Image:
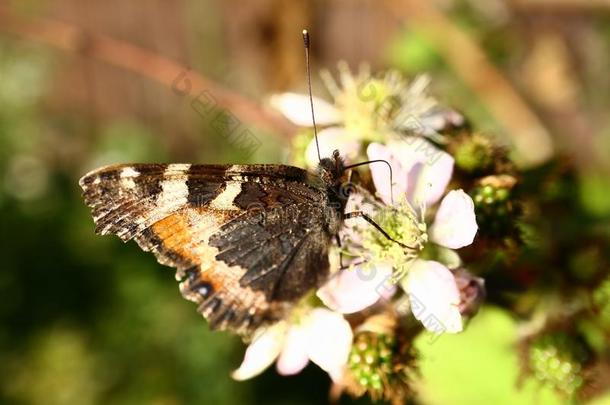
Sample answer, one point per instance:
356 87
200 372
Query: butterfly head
331 169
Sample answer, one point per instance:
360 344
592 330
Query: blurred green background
87 320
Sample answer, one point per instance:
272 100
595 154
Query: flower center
367 107
402 224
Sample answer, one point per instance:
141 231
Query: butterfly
247 241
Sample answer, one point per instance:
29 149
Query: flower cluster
366 109
420 278
444 206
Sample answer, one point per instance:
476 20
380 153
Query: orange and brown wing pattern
182 240
247 241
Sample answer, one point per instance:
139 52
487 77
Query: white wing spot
129 172
224 200
177 168
174 191
127 177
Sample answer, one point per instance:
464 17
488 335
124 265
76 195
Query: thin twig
141 61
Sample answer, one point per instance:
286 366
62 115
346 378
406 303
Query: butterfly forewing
246 240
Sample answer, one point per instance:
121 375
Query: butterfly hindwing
246 241
279 248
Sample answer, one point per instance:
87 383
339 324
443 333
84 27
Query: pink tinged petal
429 169
434 176
472 292
263 351
434 296
329 341
297 108
329 140
381 174
455 223
293 358
356 289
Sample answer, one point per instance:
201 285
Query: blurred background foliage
88 320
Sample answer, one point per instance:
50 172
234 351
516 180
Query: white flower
434 296
329 140
421 173
321 336
352 290
366 108
455 224
297 108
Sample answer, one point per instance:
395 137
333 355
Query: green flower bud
370 360
474 153
558 359
494 207
378 363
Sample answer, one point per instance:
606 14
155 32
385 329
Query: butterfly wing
247 241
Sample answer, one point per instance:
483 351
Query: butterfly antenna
313 117
377 161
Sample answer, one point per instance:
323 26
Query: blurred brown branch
141 61
529 137
561 5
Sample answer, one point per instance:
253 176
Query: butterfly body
247 241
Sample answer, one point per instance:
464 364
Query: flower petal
294 356
263 350
434 296
381 175
429 169
420 169
331 139
472 292
455 224
439 119
297 108
329 341
432 181
356 289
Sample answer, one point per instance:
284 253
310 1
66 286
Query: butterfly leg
341 265
360 214
338 239
353 264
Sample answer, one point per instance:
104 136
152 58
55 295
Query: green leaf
480 365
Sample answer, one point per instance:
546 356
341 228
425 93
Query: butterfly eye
336 153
